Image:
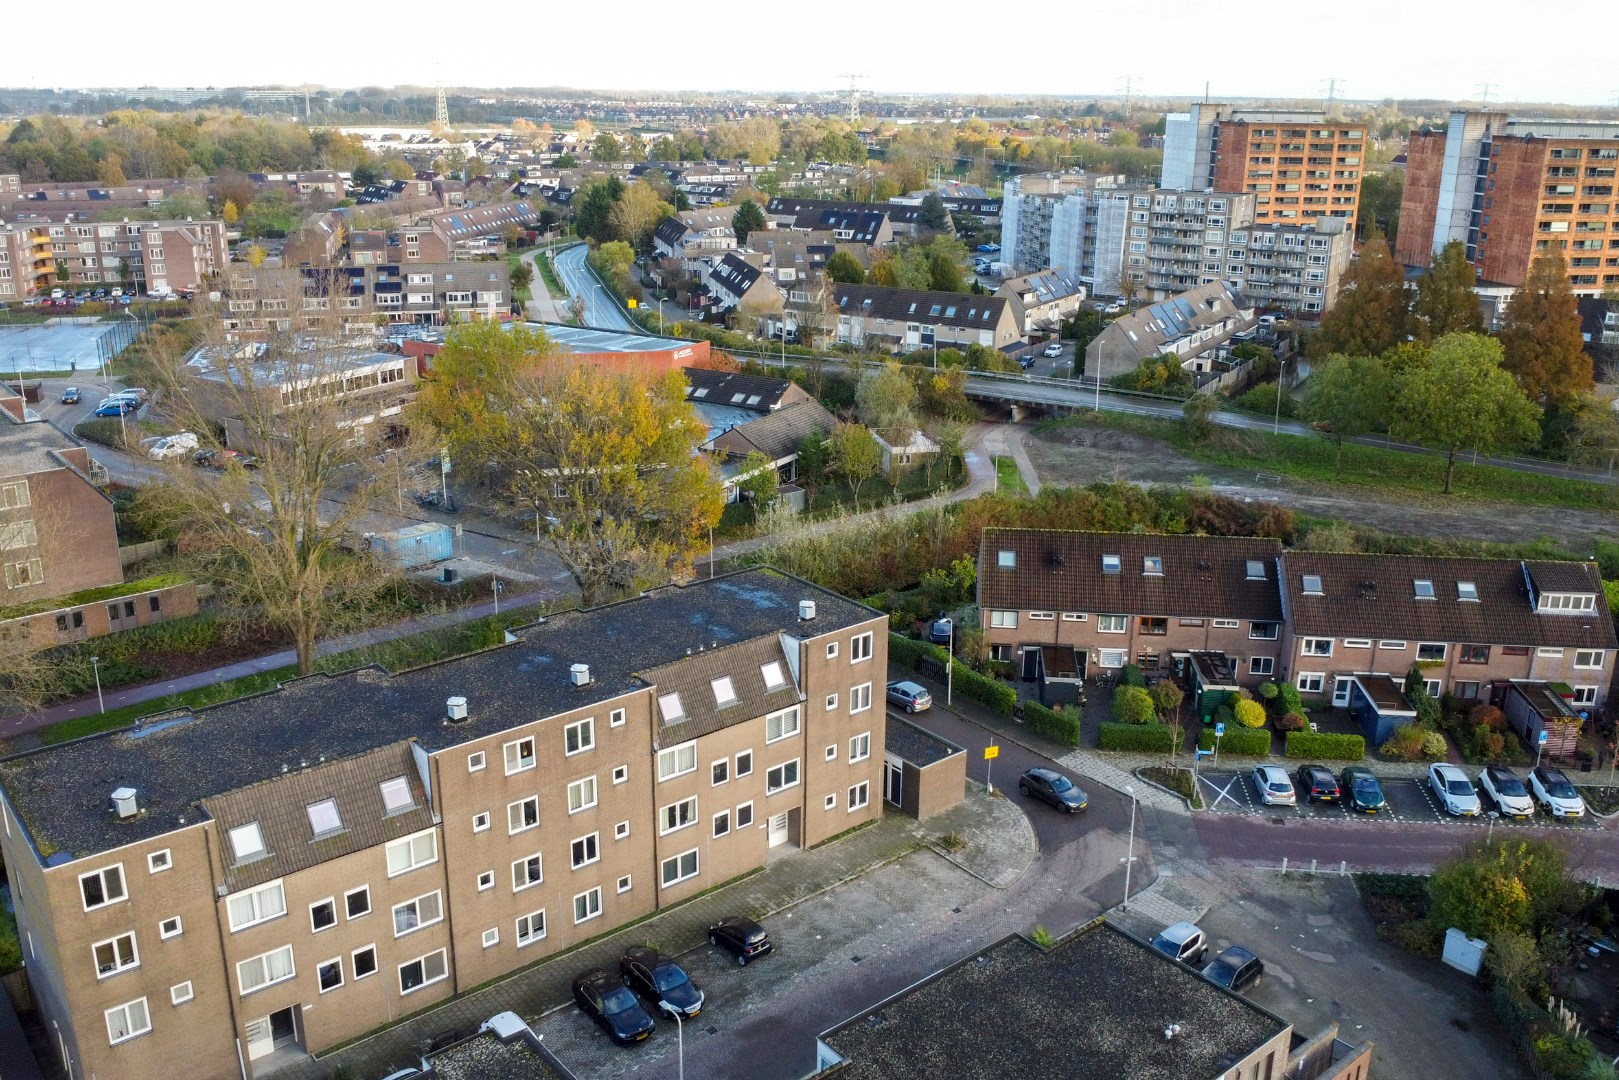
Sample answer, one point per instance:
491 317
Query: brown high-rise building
1512 189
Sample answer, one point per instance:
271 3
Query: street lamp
95 662
1130 855
950 667
1489 832
680 1040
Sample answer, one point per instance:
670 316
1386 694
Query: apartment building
260 302
1067 221
149 256
1512 189
1300 165
905 320
362 846
1192 326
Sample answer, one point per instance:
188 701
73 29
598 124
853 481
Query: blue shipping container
417 545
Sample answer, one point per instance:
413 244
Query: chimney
123 801
456 709
806 610
579 674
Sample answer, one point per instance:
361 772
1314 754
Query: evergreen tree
1446 303
747 219
1543 347
1373 313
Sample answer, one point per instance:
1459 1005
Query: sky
1445 49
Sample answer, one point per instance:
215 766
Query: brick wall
1419 202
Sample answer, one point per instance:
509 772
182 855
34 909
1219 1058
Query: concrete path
1006 440
543 307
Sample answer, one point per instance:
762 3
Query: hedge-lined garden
1239 741
1325 746
983 689
1140 738
1061 726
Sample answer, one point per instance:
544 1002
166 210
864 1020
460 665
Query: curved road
601 310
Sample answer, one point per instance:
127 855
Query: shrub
1062 726
1488 743
1288 695
1143 738
1488 716
1250 714
1133 705
1433 746
983 689
1564 1057
1268 691
1243 742
1224 715
907 652
1292 722
1325 746
1132 675
1405 744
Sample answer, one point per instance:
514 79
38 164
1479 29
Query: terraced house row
1061 605
208 894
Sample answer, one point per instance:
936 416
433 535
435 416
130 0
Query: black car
741 937
70 396
661 981
604 998
1053 788
942 632
1361 791
1316 784
1235 969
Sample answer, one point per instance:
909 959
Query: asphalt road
601 310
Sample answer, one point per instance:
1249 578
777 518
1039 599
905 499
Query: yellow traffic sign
991 752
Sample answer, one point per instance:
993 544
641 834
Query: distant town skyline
1439 50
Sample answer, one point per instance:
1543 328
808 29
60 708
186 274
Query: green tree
814 459
566 161
1198 415
1133 705
1541 341
944 273
1372 314
522 275
230 214
760 482
593 203
1462 398
885 400
1250 714
1167 698
854 455
636 214
933 214
845 269
1446 303
606 148
882 273
748 219
1594 438
1476 898
1380 195
1348 396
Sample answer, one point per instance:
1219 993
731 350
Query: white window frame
1000 619
720 824
860 747
486 880
621 773
672 762
180 993
338 960
1311 682
348 914
1591 659
860 648
831 650
1444 651
830 802
397 785
616 718
1112 658
491 937
513 752
292 972
682 875
859 698
1392 645
1357 643
426 982
1113 624
580 785
831 702
738 824
780 720
164 932
313 929
1041 616
415 903
354 962
251 829
253 895
1585 695
832 752
719 772
624 884
480 821
117 968
1076 616
132 1031
621 831
772 787
587 895
1312 646
408 845
159 861
477 762
673 812
581 731
859 796
593 849
1261 665
1435 687
1227 624
1255 635
525 940
737 770
1549 652
538 858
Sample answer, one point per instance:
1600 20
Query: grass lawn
548 275
523 295
1310 458
81 726
1007 476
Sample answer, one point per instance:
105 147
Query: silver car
1453 790
1274 788
912 697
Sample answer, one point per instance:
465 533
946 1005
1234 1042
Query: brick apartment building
145 255
363 846
1300 165
259 302
1512 189
905 320
58 539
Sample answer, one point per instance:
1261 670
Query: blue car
116 408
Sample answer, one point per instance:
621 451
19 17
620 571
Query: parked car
942 632
1274 788
1553 791
912 697
170 446
1054 349
70 396
223 459
115 408
1507 792
1361 791
661 981
1453 790
1183 941
1236 969
741 937
1026 361
604 998
1054 789
1317 783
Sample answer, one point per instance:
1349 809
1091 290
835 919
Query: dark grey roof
700 711
864 225
803 209
919 305
486 1057
671 231
735 274
778 434
910 743
177 760
736 389
1008 1013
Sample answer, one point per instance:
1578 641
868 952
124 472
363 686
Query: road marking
1225 792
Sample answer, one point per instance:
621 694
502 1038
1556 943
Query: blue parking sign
1219 730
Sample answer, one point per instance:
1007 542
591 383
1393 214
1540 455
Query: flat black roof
1095 1007
911 743
176 760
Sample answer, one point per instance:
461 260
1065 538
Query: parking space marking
1223 793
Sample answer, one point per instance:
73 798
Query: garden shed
1533 706
1379 706
1061 675
1213 682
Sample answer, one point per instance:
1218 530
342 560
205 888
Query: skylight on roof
1152 565
246 841
1256 570
724 692
396 795
669 705
1312 585
1006 560
1466 590
774 679
323 817
1111 564
1424 589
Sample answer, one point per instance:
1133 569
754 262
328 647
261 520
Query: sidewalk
1000 848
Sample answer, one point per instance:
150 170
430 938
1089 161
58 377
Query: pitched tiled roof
777 435
700 711
758 392
919 305
735 274
804 209
1202 576
1375 596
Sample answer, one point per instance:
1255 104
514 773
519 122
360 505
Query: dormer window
1467 590
396 795
1312 585
724 692
671 708
1152 565
324 818
1006 560
1572 602
1256 570
774 679
1111 564
247 842
1424 589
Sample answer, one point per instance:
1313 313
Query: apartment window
1392 646
1074 616
396 796
1467 691
586 850
1430 650
1226 624
860 698
1311 646
859 796
831 650
722 823
860 647
14 495
422 971
323 915
1514 650
247 842
363 962
1473 654
782 777
781 725
615 718
413 915
476 762
180 993
256 905
357 902
682 867
1467 590
412 852
531 928
581 794
1112 624
115 955
831 702
744 764
1585 695
1310 682
580 736
1152 626
832 752
523 815
621 830
480 822
1003 620
491 937
265 970
519 755
127 1021
24 573
587 905
677 761
860 747
329 974
528 871
1357 643
624 884
1261 665
323 818
724 692
677 815
158 861
102 887
1589 658
719 772
773 676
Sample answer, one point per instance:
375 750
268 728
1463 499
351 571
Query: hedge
1290 699
1325 745
983 689
1241 741
1150 738
910 652
1061 726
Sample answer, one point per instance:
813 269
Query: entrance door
778 830
283 1028
1031 663
1340 691
893 780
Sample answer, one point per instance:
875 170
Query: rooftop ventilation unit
806 610
579 674
456 709
123 802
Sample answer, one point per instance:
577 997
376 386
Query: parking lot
1409 801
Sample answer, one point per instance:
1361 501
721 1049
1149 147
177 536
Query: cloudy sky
1407 49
